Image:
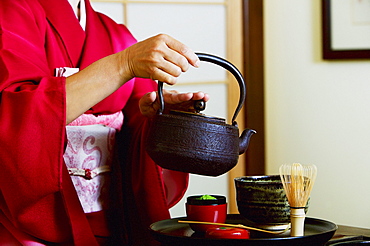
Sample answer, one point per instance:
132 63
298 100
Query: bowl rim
192 200
258 179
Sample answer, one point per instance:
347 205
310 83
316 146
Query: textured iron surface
195 146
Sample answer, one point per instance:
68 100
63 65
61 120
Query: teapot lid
195 114
199 105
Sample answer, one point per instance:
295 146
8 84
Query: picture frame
338 26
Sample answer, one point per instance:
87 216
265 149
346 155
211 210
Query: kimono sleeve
32 120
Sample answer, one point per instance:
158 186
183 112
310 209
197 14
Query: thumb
148 99
146 103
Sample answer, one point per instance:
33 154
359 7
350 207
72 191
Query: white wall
317 112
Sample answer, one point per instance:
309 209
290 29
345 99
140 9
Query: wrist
124 67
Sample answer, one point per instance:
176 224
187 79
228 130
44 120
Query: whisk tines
298 181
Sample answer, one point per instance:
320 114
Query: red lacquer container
227 232
214 210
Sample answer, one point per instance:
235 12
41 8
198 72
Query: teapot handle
223 63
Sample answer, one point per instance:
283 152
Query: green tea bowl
262 199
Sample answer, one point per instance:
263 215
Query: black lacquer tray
170 232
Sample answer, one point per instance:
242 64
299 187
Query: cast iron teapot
195 143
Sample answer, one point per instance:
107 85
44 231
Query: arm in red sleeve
32 120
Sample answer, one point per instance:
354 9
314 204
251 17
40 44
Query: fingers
177 61
173 58
183 50
167 74
200 95
176 98
181 101
160 58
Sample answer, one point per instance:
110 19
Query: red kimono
38 202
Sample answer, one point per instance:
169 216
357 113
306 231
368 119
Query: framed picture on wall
346 29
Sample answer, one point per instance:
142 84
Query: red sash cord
81 230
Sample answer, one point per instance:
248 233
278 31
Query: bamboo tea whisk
298 181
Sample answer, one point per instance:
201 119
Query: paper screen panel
201 27
112 9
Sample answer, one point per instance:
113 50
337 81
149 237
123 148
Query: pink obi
88 157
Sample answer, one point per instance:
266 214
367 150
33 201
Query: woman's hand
149 104
160 58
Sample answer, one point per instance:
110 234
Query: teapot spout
244 140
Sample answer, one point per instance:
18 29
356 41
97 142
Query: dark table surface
350 233
350 230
